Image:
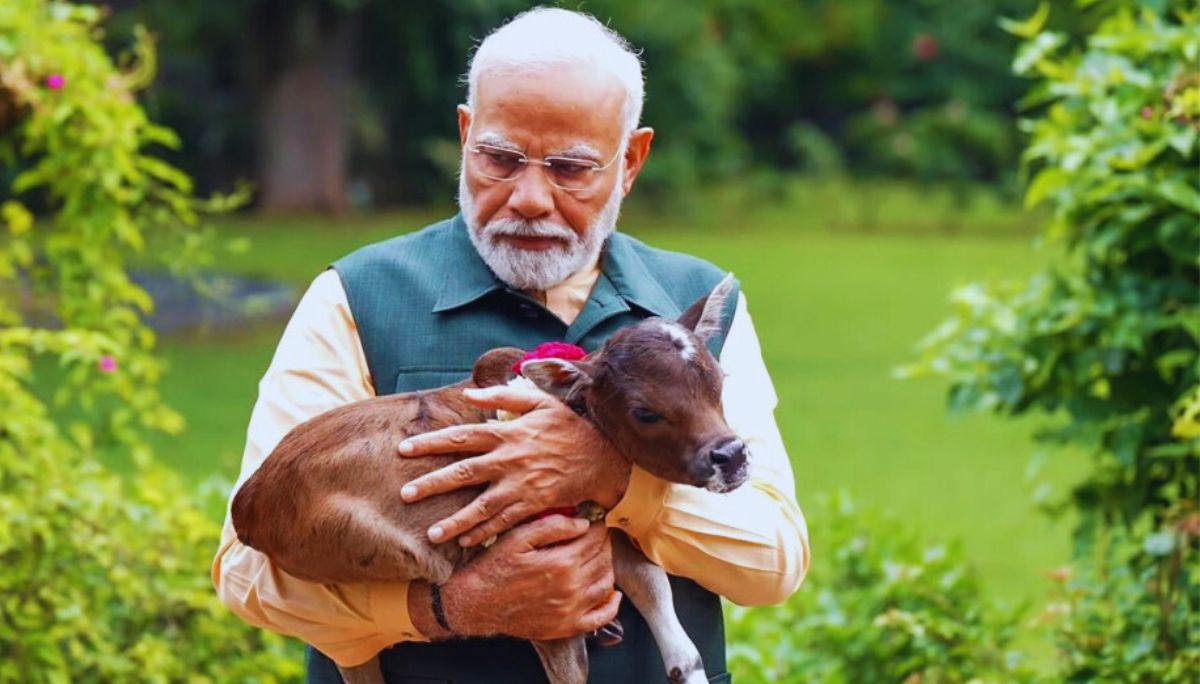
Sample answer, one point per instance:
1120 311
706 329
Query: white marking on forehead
686 349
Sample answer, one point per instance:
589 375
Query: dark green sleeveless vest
427 306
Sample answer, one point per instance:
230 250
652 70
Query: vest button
528 310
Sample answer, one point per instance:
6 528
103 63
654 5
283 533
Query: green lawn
837 308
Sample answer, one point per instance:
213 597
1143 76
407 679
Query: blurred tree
315 96
293 66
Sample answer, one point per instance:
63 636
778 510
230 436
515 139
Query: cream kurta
750 545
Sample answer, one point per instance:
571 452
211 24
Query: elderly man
550 148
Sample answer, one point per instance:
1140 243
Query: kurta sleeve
318 365
749 545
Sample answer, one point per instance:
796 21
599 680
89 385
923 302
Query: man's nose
532 195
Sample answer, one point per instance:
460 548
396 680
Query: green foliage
877 606
105 581
1105 341
102 580
1128 613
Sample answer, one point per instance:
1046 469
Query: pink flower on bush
551 350
1147 113
925 47
107 364
56 81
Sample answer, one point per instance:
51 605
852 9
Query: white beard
526 269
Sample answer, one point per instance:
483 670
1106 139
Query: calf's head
655 391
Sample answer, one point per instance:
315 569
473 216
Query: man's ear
704 317
559 377
495 367
635 155
464 123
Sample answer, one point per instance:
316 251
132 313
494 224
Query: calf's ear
495 366
704 317
559 377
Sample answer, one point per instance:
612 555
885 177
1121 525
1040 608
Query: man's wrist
614 487
421 611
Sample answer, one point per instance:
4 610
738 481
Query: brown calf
325 505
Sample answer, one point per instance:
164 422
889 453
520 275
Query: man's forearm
348 622
750 545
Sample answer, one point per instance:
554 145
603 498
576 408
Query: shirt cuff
389 607
640 506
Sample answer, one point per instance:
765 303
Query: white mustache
529 229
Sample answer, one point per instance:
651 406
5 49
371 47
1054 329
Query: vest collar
468 278
633 280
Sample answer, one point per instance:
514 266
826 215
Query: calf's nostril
727 452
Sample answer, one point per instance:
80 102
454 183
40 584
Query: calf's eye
646 415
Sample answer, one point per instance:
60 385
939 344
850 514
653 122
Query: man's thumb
553 529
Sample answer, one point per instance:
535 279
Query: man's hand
550 579
547 458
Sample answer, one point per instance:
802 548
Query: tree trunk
304 125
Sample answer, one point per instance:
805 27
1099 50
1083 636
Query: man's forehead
566 104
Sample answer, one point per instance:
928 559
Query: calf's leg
647 587
369 672
565 660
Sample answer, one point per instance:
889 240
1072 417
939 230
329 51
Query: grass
836 308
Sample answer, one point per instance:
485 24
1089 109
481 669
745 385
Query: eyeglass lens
500 164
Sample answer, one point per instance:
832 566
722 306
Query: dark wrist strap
439 613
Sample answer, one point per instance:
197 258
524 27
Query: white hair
544 36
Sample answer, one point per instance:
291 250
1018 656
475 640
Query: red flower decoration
569 511
926 47
551 350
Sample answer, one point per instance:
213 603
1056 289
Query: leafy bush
1105 341
100 580
877 606
1127 613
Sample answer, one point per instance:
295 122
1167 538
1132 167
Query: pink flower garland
551 350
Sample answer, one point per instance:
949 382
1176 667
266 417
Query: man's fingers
597 570
479 511
552 529
500 523
456 439
591 544
601 615
467 472
511 399
598 593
